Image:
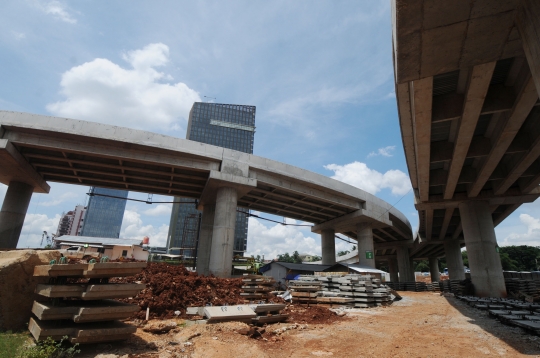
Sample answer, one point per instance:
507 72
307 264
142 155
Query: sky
320 74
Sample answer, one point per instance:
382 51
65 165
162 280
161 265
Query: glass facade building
104 214
224 125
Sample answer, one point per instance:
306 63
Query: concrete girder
258 198
422 96
17 169
429 223
502 140
278 210
528 24
446 221
407 130
326 207
348 222
474 100
519 168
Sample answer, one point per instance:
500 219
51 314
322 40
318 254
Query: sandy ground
421 325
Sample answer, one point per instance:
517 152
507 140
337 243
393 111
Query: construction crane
46 236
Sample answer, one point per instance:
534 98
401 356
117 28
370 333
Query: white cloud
276 239
34 225
531 237
59 199
134 228
159 210
55 9
358 174
102 91
385 152
18 35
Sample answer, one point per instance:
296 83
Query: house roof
353 267
99 240
296 267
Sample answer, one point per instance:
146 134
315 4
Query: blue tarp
292 276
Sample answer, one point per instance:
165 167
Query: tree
465 258
524 257
421 266
343 253
353 248
295 258
507 263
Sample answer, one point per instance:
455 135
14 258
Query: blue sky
320 74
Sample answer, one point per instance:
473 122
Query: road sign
369 254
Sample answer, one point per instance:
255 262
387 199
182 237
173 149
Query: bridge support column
328 246
528 24
484 260
454 260
434 269
406 273
205 239
221 252
366 253
393 270
13 212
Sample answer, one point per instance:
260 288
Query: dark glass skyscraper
224 125
104 214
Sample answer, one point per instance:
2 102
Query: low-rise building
284 271
110 247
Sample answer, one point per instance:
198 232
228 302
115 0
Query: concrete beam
15 168
501 141
429 223
528 23
217 180
348 222
446 221
403 97
474 100
422 96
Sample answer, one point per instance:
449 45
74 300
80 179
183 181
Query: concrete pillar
404 264
484 260
13 212
205 240
528 24
393 270
328 246
366 252
434 269
454 260
221 252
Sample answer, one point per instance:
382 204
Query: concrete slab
84 311
90 292
229 313
97 270
81 333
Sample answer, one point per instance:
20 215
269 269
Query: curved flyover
37 149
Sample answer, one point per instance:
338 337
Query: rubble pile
171 288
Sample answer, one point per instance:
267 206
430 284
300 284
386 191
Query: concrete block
90 292
84 311
82 332
229 313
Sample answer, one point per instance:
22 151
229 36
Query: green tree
465 258
421 266
507 263
523 257
294 258
343 253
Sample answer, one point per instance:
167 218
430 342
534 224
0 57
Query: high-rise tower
104 213
225 125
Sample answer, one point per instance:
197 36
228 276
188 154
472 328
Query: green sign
369 254
85 245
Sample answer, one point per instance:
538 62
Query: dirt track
421 325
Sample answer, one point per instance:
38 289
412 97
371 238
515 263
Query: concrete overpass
37 149
467 76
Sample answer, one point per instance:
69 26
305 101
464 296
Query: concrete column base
328 246
365 244
13 212
406 273
454 260
221 252
205 240
434 269
393 270
484 260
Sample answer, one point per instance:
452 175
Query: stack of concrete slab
84 311
257 287
305 290
329 283
365 290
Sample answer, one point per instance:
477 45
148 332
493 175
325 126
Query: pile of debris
171 289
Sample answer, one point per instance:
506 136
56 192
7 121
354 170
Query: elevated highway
467 76
35 150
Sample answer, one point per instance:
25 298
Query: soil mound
171 288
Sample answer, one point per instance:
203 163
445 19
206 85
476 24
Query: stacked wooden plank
84 311
257 287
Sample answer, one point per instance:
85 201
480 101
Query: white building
71 223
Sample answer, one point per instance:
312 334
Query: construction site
466 76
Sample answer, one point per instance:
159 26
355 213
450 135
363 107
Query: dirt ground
423 324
